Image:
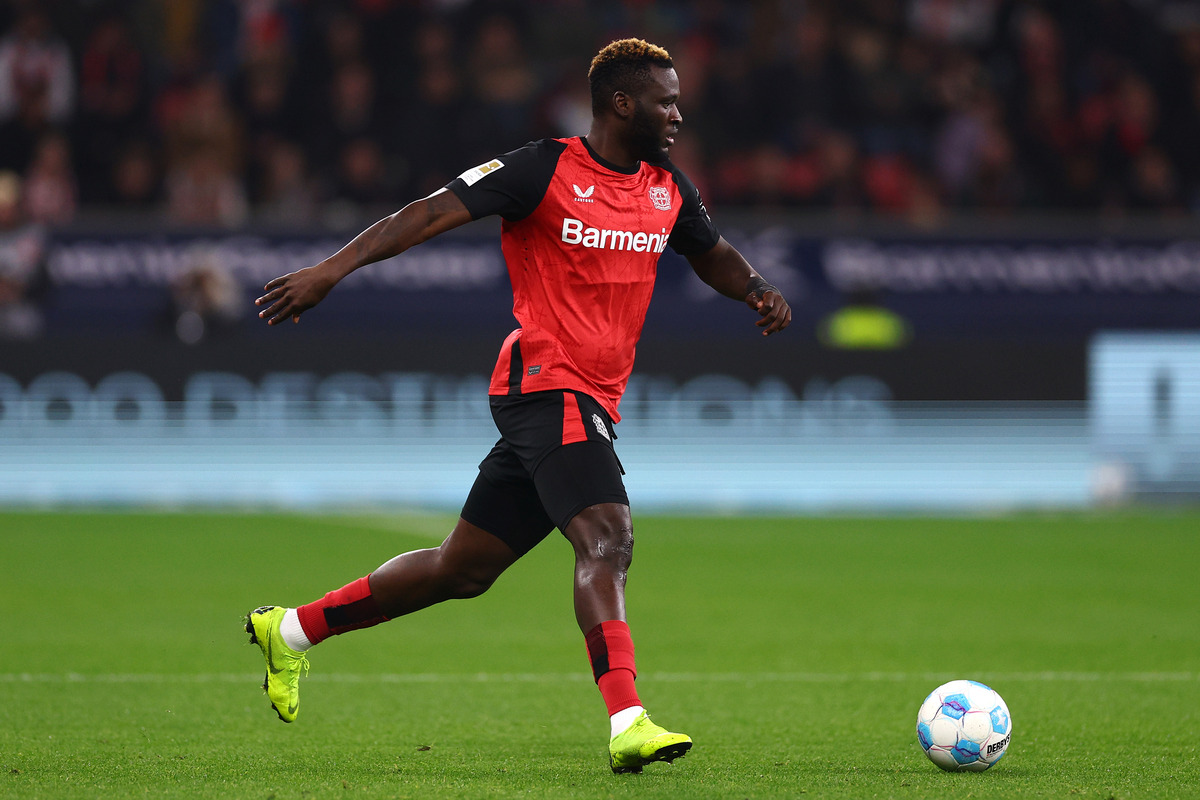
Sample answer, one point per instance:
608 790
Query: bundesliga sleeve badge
475 173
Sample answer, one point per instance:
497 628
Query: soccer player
584 222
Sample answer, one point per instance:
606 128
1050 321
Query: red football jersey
581 239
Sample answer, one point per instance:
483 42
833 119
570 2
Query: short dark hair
623 66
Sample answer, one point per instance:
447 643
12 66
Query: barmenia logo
574 232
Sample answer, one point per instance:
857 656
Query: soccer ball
964 725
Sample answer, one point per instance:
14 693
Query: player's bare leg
602 536
464 565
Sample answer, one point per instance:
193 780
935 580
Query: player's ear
622 105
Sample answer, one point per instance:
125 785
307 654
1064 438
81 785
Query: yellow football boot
284 664
644 742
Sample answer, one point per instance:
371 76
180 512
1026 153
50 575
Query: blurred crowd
300 112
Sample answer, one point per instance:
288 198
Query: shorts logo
661 197
471 176
601 428
583 195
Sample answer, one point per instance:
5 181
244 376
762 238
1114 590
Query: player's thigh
581 476
475 555
564 440
504 503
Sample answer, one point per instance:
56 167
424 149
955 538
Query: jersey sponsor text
574 232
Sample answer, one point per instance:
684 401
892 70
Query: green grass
794 651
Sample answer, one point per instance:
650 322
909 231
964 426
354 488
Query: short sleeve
694 233
510 185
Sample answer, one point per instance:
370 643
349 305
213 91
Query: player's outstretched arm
727 271
292 294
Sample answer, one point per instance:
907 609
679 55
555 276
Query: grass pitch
794 651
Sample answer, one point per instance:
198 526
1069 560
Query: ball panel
923 736
955 705
929 708
976 726
942 758
965 752
981 696
943 732
995 747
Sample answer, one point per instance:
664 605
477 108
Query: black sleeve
694 233
511 185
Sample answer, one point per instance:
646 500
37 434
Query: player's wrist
335 268
757 285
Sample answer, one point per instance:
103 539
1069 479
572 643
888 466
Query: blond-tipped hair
623 66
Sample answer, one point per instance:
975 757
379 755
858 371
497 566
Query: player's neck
610 148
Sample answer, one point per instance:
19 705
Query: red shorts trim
573 430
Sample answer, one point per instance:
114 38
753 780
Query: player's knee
620 543
462 580
466 585
610 543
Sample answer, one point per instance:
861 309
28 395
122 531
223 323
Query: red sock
349 608
610 649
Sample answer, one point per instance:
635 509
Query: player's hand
775 312
292 294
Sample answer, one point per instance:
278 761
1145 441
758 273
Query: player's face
656 117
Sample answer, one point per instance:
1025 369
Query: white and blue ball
964 725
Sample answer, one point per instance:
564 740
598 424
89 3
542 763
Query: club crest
661 197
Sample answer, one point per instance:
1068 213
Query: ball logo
661 197
998 746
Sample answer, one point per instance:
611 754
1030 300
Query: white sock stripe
293 632
621 720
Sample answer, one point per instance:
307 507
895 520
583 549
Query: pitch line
580 677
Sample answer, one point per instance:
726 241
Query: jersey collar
608 164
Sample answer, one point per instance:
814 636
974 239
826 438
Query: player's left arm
726 270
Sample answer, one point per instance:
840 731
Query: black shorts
555 458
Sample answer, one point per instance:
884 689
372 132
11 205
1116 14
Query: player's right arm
292 294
